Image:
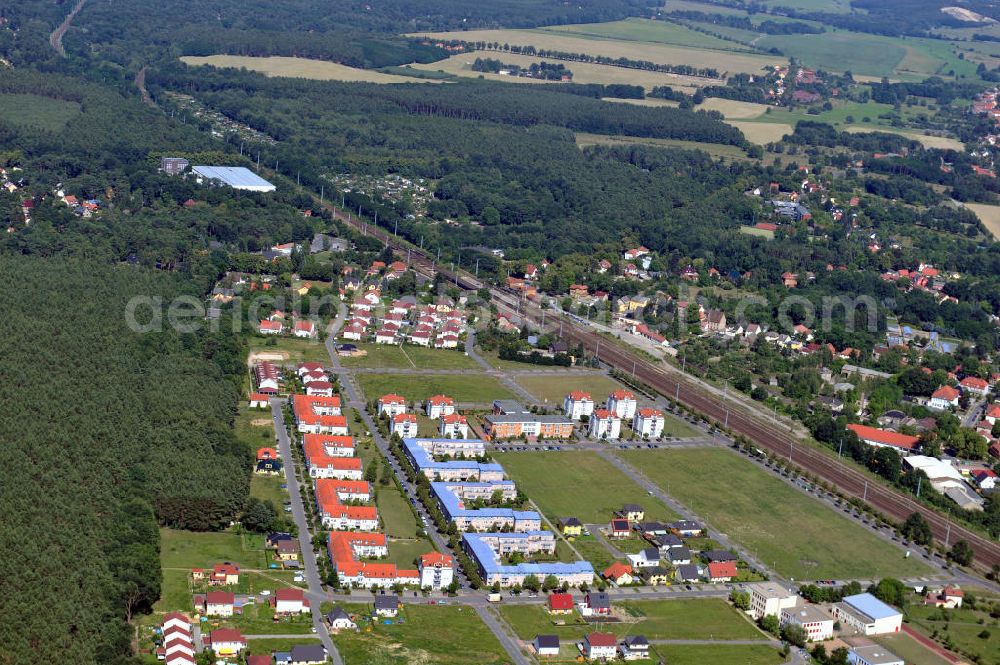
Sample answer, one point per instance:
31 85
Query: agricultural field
305 68
427 634
188 549
392 356
784 528
727 61
873 55
989 215
645 30
732 109
37 111
471 387
717 151
583 72
928 141
762 132
578 484
649 101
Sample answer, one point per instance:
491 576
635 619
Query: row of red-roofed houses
177 641
314 379
338 485
435 326
275 324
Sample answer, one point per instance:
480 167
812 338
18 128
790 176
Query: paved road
313 581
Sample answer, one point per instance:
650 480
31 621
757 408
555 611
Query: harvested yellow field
303 68
649 101
762 132
663 54
989 215
732 109
583 72
942 142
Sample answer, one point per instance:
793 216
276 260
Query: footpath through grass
795 533
578 484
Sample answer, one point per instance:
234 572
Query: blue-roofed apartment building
455 481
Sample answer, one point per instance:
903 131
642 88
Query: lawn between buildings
680 619
471 387
452 635
407 356
784 528
578 484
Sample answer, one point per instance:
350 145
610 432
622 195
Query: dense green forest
354 32
107 430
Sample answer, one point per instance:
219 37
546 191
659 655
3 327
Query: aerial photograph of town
528 332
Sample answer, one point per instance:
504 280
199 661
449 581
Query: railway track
672 383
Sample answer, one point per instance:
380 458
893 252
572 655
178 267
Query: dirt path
55 39
140 83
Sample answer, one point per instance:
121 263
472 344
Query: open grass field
578 484
732 109
175 592
291 348
716 150
989 215
962 625
942 142
796 534
688 619
594 551
910 650
873 55
649 101
258 619
583 72
479 388
254 427
727 61
762 132
189 549
645 30
723 654
428 634
393 356
268 488
761 233
265 646
395 512
36 111
552 388
304 68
